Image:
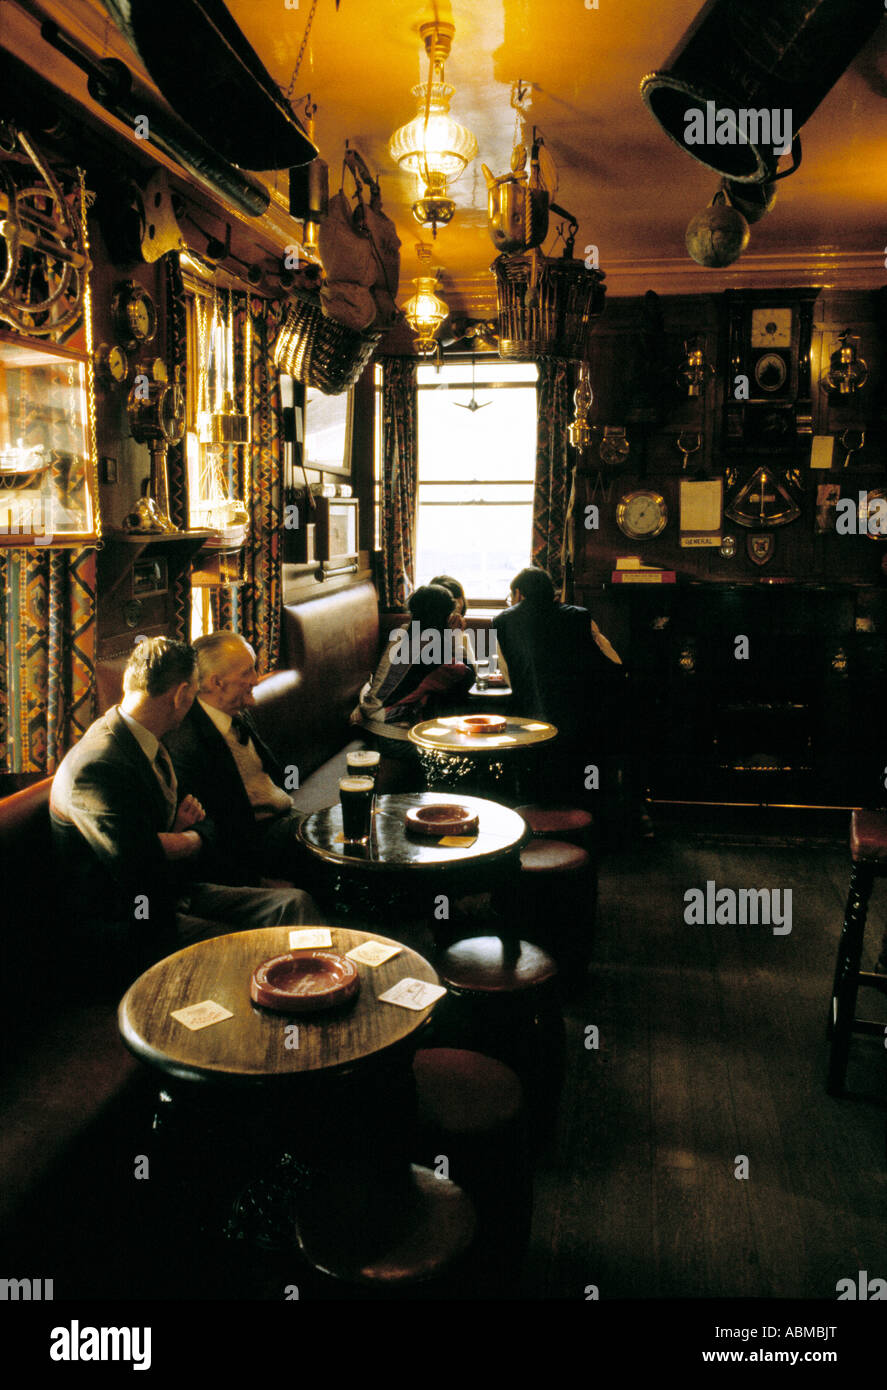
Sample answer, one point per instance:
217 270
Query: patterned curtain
47 655
255 609
177 358
554 468
400 460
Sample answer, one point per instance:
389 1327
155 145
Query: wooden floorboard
712 1046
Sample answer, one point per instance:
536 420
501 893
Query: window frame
477 603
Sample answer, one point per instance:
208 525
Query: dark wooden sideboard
794 716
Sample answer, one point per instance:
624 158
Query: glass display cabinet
48 478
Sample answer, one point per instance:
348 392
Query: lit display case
48 481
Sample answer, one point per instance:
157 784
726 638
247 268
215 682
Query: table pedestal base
502 779
417 1236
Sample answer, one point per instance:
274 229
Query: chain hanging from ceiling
291 86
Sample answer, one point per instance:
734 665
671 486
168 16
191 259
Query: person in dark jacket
563 670
218 753
133 842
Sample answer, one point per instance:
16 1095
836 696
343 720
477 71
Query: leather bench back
24 835
329 648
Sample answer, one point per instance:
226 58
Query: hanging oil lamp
579 432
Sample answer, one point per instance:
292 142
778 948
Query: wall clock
767 396
111 364
134 314
641 514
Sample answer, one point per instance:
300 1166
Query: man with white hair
132 841
218 753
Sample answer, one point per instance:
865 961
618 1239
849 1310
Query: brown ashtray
482 724
303 982
441 819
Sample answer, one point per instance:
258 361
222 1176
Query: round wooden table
500 764
401 873
253 1044
392 847
335 1093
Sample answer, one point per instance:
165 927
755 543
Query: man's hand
190 812
180 844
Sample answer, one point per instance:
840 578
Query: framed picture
327 431
336 535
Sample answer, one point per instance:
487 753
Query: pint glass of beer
363 762
356 796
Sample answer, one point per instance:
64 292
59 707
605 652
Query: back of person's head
215 652
158 665
431 606
535 584
446 581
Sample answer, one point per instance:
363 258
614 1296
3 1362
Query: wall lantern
848 372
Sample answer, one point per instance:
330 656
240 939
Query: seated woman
423 672
457 617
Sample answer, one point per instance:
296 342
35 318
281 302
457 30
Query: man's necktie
240 729
167 779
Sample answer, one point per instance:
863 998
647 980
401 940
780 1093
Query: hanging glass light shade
425 312
433 146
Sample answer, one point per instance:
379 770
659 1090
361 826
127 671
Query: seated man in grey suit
218 754
131 846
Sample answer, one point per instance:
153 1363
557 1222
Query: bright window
476 471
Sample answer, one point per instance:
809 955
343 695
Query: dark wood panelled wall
793 713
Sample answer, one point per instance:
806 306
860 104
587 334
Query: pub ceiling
630 188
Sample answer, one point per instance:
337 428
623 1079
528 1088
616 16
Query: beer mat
412 994
201 1015
373 953
310 936
457 841
494 740
438 730
534 728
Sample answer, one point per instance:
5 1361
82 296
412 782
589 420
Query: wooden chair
868 854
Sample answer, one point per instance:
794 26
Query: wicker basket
568 297
320 352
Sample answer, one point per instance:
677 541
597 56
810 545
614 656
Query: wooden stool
558 822
868 853
503 1001
471 1113
553 900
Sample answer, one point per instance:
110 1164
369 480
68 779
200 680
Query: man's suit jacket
556 668
106 810
206 768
